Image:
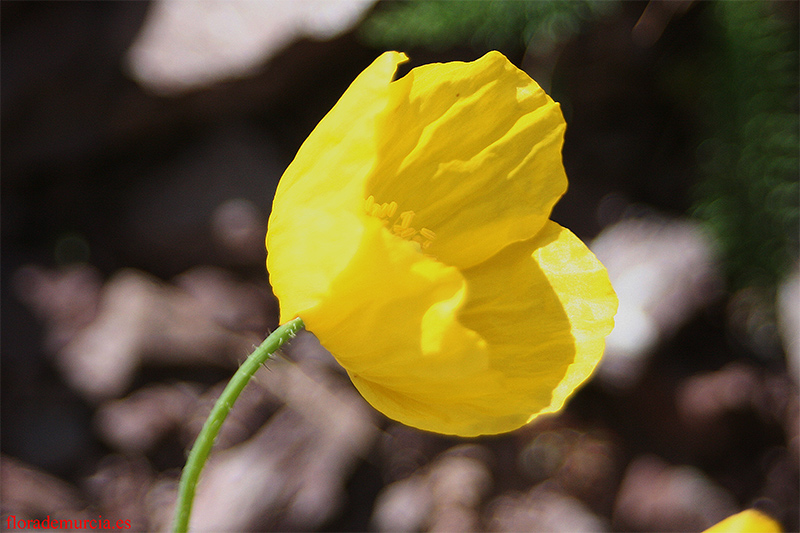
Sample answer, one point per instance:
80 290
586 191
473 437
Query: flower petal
326 179
474 150
424 142
748 521
527 333
587 297
373 316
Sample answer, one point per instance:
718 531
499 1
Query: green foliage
749 95
486 23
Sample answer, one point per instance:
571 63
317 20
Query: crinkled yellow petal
372 314
544 307
474 150
512 343
390 320
587 297
326 179
749 521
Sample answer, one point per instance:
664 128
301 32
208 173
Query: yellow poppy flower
749 521
411 234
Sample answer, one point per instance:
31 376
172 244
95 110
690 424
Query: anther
405 218
400 225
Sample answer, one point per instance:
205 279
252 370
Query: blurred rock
704 398
789 322
31 493
780 492
710 403
655 496
459 481
445 496
752 321
544 508
405 450
583 465
237 305
461 476
545 454
663 271
65 300
185 45
137 423
403 506
141 319
120 486
239 226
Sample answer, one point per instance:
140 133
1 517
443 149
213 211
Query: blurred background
141 147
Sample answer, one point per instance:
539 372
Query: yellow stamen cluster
400 224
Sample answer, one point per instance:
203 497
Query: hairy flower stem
205 440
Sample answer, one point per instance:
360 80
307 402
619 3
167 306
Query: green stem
205 440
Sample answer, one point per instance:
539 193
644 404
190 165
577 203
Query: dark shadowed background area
141 147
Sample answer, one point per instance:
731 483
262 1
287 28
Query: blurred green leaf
749 161
439 25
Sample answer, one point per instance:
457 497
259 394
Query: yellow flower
411 234
749 521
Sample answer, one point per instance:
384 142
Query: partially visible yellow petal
474 150
314 221
373 313
587 297
544 307
333 163
471 150
749 521
477 352
307 262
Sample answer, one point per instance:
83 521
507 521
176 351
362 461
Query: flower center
399 223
